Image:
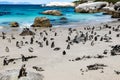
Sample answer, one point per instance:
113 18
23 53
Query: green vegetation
82 1
76 2
113 1
79 1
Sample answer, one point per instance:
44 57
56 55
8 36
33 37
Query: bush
113 1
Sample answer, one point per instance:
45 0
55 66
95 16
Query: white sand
58 66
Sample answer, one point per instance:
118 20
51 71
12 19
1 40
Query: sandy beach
81 53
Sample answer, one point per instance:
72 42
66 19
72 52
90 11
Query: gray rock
111 11
90 7
63 18
116 14
52 12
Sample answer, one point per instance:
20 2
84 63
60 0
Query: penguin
30 49
64 52
68 46
51 38
109 32
7 49
101 39
55 34
22 43
12 37
40 43
47 43
31 40
68 38
44 39
95 38
45 32
56 49
52 45
41 34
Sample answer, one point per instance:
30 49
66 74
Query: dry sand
57 66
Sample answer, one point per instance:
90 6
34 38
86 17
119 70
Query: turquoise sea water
25 15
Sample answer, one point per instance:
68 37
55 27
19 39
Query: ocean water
25 15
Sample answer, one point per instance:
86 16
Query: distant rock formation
14 24
61 4
90 7
41 22
52 12
99 7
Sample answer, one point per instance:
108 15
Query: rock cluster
114 11
99 7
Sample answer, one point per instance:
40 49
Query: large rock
111 11
108 10
117 6
14 24
116 14
52 12
90 7
41 22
